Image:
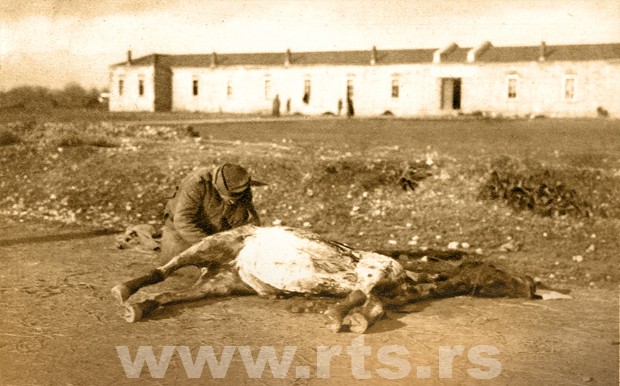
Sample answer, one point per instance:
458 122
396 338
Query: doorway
451 93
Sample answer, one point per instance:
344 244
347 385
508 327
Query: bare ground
60 326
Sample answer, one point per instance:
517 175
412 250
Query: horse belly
277 260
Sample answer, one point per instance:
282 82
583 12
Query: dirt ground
60 326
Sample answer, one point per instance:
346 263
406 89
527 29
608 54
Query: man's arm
248 203
254 218
191 196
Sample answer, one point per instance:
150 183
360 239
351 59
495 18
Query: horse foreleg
369 313
372 271
336 315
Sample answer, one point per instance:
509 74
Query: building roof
459 55
583 52
552 53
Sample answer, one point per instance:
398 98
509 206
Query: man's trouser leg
171 242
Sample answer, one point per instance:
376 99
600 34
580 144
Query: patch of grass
8 137
85 139
99 115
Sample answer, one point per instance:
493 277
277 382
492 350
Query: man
275 111
207 202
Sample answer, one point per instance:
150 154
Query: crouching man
208 201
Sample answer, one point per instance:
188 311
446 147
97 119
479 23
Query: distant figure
601 112
339 106
288 106
276 106
350 109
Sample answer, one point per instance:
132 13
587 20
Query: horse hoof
334 321
133 313
358 323
121 293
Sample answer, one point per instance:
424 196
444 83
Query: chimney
287 59
128 56
542 52
445 51
474 53
373 56
213 59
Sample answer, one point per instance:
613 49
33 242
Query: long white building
563 80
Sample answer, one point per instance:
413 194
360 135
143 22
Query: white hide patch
277 260
373 269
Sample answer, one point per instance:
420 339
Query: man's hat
231 179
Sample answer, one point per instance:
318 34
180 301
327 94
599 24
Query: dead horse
252 260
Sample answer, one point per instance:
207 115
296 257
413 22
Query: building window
267 89
512 87
195 87
395 88
569 88
140 87
121 85
307 91
229 90
349 88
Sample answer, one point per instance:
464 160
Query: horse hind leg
123 291
137 311
195 255
225 283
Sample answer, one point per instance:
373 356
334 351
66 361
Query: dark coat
196 210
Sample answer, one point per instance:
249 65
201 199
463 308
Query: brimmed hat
231 179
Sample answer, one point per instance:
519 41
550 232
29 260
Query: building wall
484 87
212 90
130 100
162 88
372 89
540 89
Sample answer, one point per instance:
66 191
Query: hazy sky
52 42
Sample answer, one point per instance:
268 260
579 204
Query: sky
53 42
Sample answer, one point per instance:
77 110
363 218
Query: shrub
538 190
41 99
